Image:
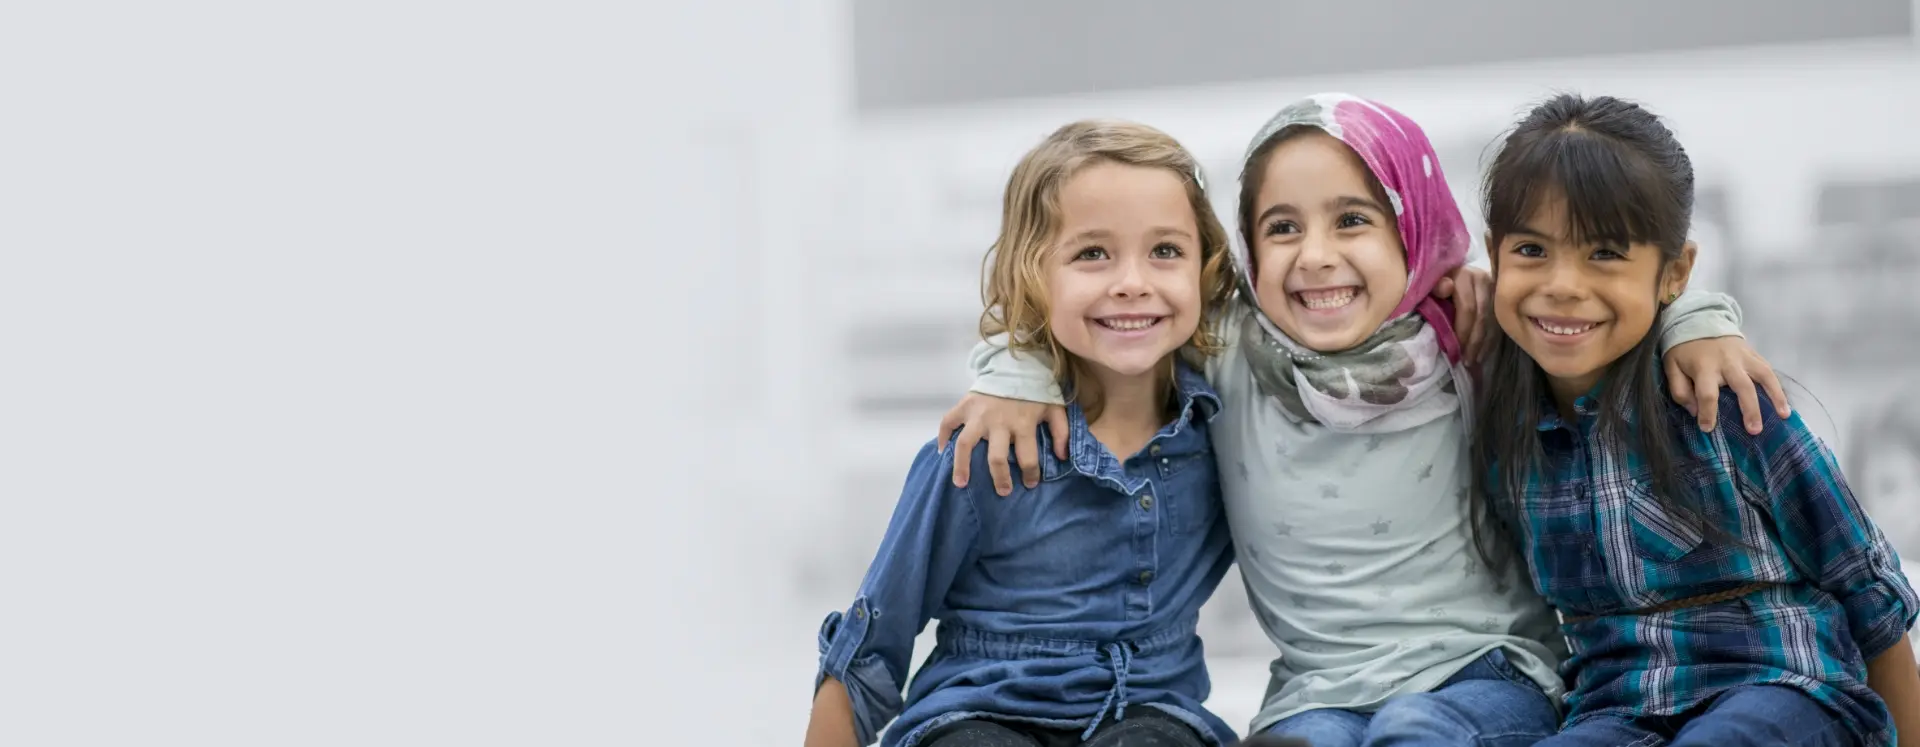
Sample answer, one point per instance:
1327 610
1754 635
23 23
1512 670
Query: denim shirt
1063 605
1600 544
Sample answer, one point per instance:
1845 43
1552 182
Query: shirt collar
1199 403
1587 407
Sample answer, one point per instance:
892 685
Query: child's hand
1696 370
1467 306
1002 419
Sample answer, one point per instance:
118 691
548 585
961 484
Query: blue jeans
1754 715
1489 704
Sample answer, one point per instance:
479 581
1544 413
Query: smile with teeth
1129 324
1329 298
1563 328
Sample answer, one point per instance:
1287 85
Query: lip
1552 329
1297 297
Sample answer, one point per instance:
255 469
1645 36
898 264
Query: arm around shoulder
1699 315
1000 372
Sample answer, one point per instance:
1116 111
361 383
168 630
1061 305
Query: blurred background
421 373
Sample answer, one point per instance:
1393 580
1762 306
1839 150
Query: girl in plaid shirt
1715 587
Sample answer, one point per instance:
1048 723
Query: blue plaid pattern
1599 544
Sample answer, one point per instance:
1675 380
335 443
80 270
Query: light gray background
413 372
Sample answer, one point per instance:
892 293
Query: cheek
1507 295
1270 276
1065 298
1633 311
1383 265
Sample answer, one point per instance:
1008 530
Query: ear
1678 271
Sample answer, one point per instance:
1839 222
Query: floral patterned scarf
1408 372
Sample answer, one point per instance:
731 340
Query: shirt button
1154 450
1146 577
1146 503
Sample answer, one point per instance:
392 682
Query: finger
1471 337
1466 314
1681 387
1027 449
948 422
1777 392
997 448
1057 427
963 454
1483 296
1706 398
1749 397
1444 288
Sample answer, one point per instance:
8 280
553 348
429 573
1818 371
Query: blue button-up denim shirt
1063 605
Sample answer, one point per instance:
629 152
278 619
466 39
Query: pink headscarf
1398 153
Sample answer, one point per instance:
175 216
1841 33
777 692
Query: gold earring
1671 297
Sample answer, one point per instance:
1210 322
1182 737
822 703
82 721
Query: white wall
365 365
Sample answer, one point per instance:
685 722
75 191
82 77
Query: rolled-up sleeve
1000 372
1829 537
868 646
1698 315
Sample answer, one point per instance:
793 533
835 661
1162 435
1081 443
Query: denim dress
1064 605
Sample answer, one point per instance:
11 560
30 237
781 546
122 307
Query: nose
1132 280
1316 253
1566 281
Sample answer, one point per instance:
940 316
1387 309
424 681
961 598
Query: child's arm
1704 350
1831 540
1012 394
1895 678
865 651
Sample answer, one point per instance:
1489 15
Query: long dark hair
1625 180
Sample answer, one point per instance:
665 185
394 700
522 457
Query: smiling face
1575 308
1330 266
1124 279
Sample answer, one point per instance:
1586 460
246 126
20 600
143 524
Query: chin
1128 366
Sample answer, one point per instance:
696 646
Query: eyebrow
1526 230
1098 234
1343 201
1535 233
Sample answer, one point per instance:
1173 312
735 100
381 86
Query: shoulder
1780 439
932 471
